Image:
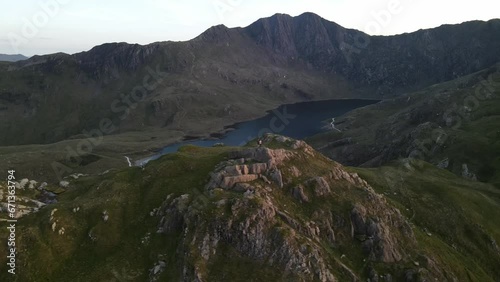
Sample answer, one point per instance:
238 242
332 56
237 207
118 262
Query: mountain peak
214 33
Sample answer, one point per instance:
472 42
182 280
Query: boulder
258 168
272 157
105 215
244 169
243 187
295 172
229 181
276 176
321 187
42 186
32 184
22 183
215 180
264 178
298 193
233 170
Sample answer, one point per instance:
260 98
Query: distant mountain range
12 58
227 75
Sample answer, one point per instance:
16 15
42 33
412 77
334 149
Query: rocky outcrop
256 235
467 174
251 164
321 187
276 176
376 234
299 194
262 228
228 182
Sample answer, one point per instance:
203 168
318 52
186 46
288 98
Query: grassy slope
460 215
391 129
456 212
128 196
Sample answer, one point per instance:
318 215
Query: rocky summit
277 212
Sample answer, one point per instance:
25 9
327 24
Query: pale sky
34 27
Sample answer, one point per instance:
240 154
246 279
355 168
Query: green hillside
201 214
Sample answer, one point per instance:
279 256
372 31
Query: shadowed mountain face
232 74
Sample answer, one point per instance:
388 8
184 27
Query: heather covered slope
280 213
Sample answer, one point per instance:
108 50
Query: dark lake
298 121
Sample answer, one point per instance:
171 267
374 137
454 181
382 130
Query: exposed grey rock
282 139
264 178
32 184
23 182
467 174
295 172
249 194
76 175
105 215
377 239
92 237
276 176
229 181
42 186
243 187
321 187
215 180
299 194
172 214
236 170
258 168
272 157
338 173
444 163
155 272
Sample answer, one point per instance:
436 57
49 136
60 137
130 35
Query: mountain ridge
12 58
279 59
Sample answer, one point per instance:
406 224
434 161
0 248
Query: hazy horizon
49 26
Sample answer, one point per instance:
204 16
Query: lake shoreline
220 136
